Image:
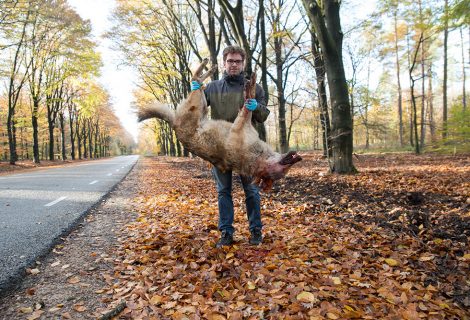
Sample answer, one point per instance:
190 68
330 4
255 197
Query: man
225 97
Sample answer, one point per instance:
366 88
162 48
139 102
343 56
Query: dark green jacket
226 96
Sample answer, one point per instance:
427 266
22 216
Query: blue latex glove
251 104
195 85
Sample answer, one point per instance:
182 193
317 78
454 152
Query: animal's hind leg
197 73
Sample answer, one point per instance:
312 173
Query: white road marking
55 201
110 174
117 170
93 182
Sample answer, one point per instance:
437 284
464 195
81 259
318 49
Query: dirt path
71 279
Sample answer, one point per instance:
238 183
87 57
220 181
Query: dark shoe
226 239
256 237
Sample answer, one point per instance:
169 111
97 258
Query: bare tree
17 79
284 44
413 97
327 26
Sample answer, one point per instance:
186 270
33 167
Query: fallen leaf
79 308
215 316
35 315
391 262
73 280
426 258
55 309
306 296
32 271
25 309
336 280
30 291
156 299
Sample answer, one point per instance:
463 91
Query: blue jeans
252 200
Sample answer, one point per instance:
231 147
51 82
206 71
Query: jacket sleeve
261 113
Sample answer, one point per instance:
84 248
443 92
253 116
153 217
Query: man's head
234 60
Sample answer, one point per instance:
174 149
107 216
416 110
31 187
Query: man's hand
195 85
251 104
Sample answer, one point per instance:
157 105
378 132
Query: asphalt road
38 207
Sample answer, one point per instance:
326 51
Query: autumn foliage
390 242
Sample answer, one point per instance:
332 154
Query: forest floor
391 242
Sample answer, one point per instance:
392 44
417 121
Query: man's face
234 64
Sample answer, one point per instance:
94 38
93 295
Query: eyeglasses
230 61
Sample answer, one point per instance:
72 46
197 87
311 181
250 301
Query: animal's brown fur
228 146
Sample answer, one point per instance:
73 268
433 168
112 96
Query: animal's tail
159 111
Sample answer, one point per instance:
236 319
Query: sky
117 79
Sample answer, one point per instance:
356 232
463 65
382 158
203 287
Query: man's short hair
233 49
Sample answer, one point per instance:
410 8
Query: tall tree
326 23
235 17
444 82
320 74
414 61
284 39
17 79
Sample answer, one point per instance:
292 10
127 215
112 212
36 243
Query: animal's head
275 168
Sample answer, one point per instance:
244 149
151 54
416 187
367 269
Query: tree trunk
178 148
264 79
62 134
397 62
423 81
11 137
283 142
72 135
430 99
84 137
162 141
319 65
14 93
90 139
464 94
50 126
34 123
172 142
79 138
415 117
96 139
413 98
330 38
212 39
444 84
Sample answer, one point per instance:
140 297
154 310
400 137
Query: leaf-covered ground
391 242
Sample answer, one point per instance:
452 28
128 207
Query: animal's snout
290 159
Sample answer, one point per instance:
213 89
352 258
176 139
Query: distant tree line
52 106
